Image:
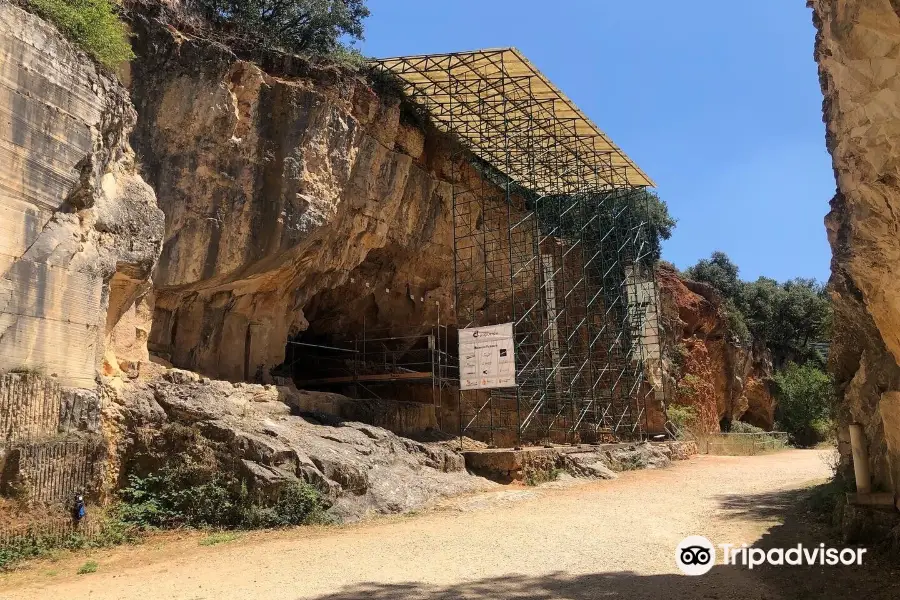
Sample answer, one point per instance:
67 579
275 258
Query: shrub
309 26
806 403
112 531
683 417
737 325
688 386
741 427
350 58
187 495
534 477
91 24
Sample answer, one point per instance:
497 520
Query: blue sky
717 100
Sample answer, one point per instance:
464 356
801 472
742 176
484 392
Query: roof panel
499 103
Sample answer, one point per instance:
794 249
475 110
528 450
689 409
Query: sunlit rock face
79 229
704 367
858 52
293 196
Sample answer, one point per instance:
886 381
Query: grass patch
88 567
219 537
38 543
93 25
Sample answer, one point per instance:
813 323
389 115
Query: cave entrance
404 381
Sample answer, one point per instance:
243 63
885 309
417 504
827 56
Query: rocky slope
80 235
256 432
857 49
722 380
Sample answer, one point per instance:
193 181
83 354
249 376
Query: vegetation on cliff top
787 317
91 24
302 26
790 319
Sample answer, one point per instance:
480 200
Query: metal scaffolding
549 234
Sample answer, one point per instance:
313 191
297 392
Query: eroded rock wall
858 52
287 192
722 380
79 230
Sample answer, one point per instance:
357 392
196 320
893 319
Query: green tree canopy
805 403
314 26
720 272
787 317
650 209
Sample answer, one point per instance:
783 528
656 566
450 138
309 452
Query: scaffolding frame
361 364
547 236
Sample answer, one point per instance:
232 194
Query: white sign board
486 357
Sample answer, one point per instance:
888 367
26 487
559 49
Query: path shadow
761 507
876 579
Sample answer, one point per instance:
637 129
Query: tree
654 212
719 272
806 403
787 317
303 26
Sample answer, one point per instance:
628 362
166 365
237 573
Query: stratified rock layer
79 230
858 51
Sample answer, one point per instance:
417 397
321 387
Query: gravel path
612 539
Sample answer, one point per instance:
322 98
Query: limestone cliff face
858 52
79 230
722 380
287 192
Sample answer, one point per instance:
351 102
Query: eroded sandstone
857 49
722 379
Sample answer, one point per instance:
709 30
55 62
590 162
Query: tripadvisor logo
696 555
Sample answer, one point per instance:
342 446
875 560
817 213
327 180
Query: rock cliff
858 52
705 369
79 229
287 192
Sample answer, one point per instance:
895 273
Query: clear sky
717 100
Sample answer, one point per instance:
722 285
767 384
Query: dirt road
612 539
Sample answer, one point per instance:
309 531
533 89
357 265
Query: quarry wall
264 198
857 49
80 234
291 195
73 214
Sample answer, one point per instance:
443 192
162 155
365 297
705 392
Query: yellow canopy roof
512 116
